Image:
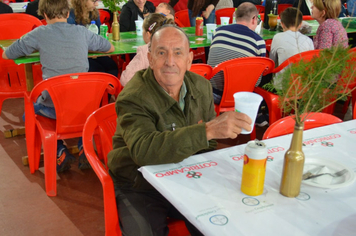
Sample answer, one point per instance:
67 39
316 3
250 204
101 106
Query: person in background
204 8
290 41
61 42
165 114
32 8
150 24
235 41
330 31
134 10
4 8
82 13
165 9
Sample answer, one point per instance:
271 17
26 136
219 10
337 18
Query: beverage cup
210 28
224 20
138 27
248 103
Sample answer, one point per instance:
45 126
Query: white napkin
258 28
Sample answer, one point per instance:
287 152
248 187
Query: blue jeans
211 18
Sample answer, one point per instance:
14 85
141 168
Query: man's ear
149 57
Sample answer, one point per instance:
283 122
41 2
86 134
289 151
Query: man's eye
160 53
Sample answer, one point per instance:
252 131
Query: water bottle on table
93 27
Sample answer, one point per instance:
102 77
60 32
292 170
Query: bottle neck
297 138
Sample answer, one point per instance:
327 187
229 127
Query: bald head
245 12
170 29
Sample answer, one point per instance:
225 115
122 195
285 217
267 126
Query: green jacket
146 118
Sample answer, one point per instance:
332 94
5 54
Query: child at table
290 41
165 9
150 24
63 49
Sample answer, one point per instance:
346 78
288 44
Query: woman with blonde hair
150 24
330 32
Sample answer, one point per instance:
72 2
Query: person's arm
207 11
97 43
24 46
273 54
4 55
139 62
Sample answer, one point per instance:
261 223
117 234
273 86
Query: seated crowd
162 102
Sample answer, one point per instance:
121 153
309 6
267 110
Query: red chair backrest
286 125
75 97
14 25
306 56
181 5
105 18
224 12
260 8
183 18
282 7
307 17
204 70
241 74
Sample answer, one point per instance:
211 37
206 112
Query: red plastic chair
12 76
354 113
282 7
204 70
260 8
100 127
240 75
274 111
182 18
75 97
286 125
227 12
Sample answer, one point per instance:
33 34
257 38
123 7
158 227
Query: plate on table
327 166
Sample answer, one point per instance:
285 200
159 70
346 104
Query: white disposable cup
210 28
138 27
248 103
224 20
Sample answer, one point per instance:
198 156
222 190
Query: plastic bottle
234 17
93 27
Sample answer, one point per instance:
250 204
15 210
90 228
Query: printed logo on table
322 139
194 175
352 131
250 201
327 144
303 196
219 220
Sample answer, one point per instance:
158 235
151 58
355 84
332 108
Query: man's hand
207 11
227 125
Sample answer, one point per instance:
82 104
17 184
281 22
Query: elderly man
235 41
165 114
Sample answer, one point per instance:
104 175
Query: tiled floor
25 209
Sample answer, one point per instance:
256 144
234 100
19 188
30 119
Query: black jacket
4 8
129 14
32 8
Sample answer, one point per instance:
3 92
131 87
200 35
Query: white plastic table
205 188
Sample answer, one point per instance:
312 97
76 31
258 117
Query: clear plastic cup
224 20
138 27
248 103
210 28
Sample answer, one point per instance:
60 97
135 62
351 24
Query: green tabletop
129 42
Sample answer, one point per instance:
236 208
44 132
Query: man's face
169 57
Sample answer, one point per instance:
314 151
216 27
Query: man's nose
170 59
